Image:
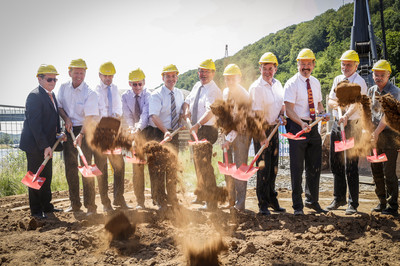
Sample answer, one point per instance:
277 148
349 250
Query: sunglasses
137 84
51 80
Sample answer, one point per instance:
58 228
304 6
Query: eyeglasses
51 79
137 84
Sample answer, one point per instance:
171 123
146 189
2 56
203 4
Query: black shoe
298 212
72 209
140 207
122 205
91 212
39 215
108 208
264 211
315 207
55 210
335 204
380 207
390 211
351 210
276 207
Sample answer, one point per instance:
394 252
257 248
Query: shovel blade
115 151
291 136
28 181
229 169
342 146
377 159
90 171
134 160
245 172
197 142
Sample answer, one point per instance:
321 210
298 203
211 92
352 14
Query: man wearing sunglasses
135 110
41 125
110 106
77 102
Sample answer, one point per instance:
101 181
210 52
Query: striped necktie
109 97
196 106
138 112
174 117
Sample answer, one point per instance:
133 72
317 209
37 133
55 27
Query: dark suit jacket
42 122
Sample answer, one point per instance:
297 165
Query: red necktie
310 100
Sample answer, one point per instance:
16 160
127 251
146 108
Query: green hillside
328 35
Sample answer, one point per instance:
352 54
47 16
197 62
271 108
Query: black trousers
338 168
385 178
39 200
266 176
304 154
71 173
163 176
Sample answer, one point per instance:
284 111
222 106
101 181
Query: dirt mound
391 108
120 227
348 93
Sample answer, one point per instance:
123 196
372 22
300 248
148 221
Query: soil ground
165 238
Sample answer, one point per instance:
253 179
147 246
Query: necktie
109 97
310 100
52 99
196 106
137 109
174 117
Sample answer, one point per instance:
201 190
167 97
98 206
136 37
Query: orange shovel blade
115 151
245 172
291 136
28 181
342 146
134 160
225 169
90 171
197 142
377 158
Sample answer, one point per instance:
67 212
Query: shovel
109 123
377 158
345 144
171 136
115 151
301 132
86 171
246 171
34 180
196 139
226 168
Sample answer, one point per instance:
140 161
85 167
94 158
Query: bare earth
167 238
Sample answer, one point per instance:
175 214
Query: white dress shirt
102 92
355 78
160 105
208 94
267 98
78 103
296 93
128 108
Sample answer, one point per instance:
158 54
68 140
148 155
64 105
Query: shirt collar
80 87
302 77
166 90
209 84
265 83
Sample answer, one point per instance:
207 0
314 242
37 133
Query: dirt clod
120 227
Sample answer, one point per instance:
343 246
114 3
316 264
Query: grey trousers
238 153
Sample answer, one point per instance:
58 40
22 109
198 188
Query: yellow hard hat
268 58
78 63
382 65
107 69
170 68
136 75
207 64
306 54
232 69
350 55
46 69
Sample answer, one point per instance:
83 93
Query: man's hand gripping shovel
246 171
194 134
344 144
86 170
34 180
301 132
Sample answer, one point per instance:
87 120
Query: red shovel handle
79 149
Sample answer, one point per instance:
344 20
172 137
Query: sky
148 34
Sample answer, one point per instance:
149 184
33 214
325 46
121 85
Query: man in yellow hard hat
350 118
135 110
42 123
197 106
303 102
78 102
386 139
236 143
266 94
165 110
110 106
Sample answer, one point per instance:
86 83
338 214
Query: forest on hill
328 35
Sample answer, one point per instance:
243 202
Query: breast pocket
80 109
